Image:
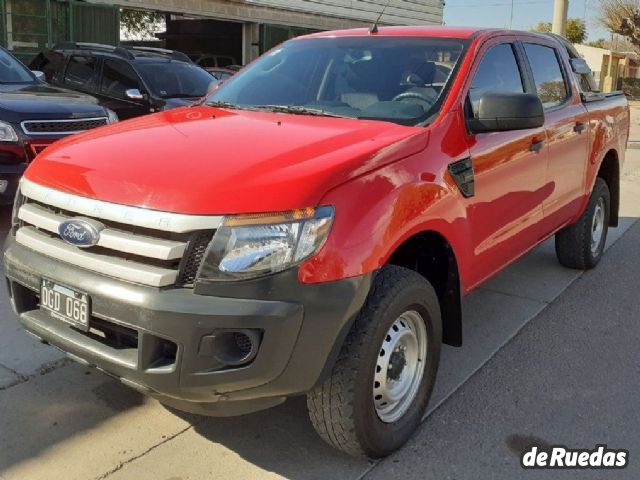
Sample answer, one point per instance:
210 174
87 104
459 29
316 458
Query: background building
612 70
240 28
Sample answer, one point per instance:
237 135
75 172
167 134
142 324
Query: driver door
510 169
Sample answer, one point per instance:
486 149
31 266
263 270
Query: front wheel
379 388
581 245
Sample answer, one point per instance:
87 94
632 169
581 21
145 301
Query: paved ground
569 378
549 354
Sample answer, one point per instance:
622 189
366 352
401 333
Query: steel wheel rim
597 226
400 366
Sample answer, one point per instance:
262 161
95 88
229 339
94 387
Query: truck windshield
176 79
397 79
12 71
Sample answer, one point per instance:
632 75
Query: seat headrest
424 74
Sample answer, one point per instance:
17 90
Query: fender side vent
462 173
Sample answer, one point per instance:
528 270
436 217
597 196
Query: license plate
65 304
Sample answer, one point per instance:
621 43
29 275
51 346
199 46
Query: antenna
374 27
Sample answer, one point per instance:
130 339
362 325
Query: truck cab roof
428 31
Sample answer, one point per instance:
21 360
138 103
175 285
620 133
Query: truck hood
204 160
41 101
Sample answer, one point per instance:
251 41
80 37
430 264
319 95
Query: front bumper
166 350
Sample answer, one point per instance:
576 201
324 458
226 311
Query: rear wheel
379 388
581 245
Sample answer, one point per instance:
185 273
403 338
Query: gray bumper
166 330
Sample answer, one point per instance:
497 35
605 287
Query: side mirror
501 112
39 75
134 94
213 86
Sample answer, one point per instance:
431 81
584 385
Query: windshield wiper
220 104
298 110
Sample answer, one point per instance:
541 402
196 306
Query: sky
526 13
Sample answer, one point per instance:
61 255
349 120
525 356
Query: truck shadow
280 440
52 408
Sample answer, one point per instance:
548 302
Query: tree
600 43
544 27
576 29
550 92
139 24
622 17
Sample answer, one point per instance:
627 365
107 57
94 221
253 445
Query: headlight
7 133
249 246
18 201
112 117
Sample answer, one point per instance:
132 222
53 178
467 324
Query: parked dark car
208 60
33 115
221 74
131 81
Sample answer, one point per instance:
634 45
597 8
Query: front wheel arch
432 256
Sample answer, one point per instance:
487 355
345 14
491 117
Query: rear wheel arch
609 171
432 256
581 245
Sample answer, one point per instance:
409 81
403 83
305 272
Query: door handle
536 146
580 127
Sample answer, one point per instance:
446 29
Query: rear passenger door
505 214
81 73
567 127
118 77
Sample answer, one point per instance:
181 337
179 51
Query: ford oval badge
80 232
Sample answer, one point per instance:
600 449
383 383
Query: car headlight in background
112 117
7 133
249 246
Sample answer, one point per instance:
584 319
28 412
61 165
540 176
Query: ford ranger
310 227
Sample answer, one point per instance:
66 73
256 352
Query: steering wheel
414 96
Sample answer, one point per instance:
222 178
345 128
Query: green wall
39 24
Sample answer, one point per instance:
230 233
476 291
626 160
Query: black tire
342 408
574 242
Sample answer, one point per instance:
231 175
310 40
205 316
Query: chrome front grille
61 127
143 246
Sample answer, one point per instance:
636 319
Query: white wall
593 56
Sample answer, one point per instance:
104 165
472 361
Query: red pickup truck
310 227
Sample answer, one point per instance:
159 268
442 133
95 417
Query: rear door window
117 78
498 72
547 74
80 72
51 63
